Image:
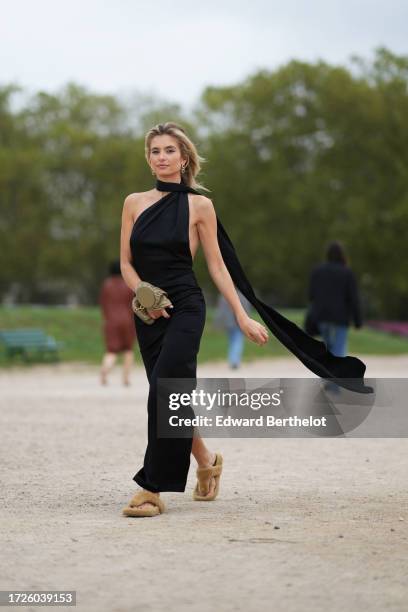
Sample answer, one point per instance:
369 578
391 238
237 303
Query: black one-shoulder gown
161 255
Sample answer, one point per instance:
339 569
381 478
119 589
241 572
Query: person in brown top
115 299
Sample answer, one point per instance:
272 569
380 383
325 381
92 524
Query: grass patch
81 331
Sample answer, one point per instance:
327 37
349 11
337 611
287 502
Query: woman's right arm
129 274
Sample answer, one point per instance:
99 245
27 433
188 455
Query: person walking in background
334 297
115 299
225 319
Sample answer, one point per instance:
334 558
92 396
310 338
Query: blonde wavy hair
187 148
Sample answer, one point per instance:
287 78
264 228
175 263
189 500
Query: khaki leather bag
148 296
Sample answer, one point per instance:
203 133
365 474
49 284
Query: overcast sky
174 48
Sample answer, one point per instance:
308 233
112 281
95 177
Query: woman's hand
253 330
160 312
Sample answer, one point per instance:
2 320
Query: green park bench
29 342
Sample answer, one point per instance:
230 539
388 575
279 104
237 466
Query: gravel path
299 525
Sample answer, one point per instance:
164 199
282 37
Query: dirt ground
299 525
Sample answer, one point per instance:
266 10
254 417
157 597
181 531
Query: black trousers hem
177 488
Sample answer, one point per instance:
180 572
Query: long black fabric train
347 371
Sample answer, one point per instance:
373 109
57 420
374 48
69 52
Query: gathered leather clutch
148 296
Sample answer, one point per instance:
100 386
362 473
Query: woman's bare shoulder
203 206
201 201
134 198
135 202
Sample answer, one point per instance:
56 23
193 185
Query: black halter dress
161 255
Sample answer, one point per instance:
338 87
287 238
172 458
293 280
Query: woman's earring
152 171
183 169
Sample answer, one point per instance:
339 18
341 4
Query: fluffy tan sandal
204 476
140 498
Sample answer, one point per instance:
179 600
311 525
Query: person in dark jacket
335 300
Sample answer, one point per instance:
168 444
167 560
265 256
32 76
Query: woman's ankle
207 460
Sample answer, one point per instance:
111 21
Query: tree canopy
296 156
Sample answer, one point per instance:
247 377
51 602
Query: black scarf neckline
174 187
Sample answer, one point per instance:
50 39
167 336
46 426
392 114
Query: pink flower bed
400 328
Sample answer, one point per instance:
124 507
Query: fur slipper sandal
204 476
140 498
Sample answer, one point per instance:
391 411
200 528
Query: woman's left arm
207 230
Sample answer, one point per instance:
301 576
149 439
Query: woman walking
115 299
334 297
161 232
225 320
